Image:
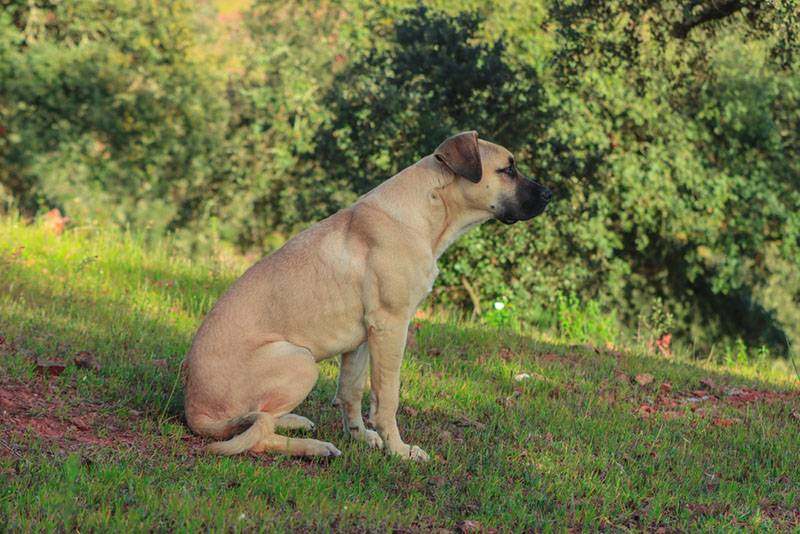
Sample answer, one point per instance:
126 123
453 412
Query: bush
109 109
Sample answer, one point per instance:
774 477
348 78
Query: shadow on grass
141 355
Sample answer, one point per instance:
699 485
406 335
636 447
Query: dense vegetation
668 130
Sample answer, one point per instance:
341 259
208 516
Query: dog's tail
257 425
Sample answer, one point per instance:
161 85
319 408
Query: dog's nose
546 195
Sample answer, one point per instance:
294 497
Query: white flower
499 305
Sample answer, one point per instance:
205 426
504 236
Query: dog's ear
460 154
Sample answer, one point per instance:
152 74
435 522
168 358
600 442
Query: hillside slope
590 438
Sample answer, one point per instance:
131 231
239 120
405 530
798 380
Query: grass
580 444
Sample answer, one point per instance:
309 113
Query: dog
348 285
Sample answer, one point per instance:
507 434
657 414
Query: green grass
565 448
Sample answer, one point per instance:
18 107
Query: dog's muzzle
529 201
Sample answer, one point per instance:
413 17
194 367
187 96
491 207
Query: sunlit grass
567 447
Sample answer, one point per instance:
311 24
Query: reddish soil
670 403
38 408
63 420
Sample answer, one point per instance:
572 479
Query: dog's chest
427 287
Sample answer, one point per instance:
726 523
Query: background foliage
668 130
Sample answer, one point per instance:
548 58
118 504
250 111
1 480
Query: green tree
111 109
679 125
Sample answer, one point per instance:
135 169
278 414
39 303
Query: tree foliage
668 131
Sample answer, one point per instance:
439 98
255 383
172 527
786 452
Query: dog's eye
510 171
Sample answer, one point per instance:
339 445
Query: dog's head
491 180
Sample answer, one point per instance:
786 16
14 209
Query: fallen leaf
712 481
796 415
79 423
708 383
666 402
421 314
55 222
86 360
699 509
662 344
644 379
725 423
466 421
507 402
469 525
608 395
435 351
47 428
49 367
666 387
438 481
9 471
506 354
621 377
409 411
645 410
521 376
411 337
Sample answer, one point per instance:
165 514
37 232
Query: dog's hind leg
280 376
352 380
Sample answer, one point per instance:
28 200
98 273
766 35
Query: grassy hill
591 438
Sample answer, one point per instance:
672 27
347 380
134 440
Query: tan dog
348 285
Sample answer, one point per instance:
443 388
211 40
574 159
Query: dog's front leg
350 389
387 340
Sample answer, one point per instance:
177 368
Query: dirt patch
39 408
736 397
782 517
62 420
675 404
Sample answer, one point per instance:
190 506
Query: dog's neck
431 204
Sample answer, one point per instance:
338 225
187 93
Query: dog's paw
418 454
294 422
323 448
411 452
331 449
370 437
